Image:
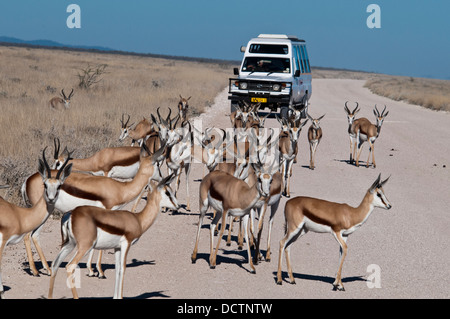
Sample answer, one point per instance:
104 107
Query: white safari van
275 71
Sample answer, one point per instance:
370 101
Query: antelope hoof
101 277
338 287
212 267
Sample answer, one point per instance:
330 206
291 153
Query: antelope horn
47 167
57 148
71 93
62 92
64 165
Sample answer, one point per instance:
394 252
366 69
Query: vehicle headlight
243 85
276 87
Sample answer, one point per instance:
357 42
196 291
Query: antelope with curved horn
83 189
314 137
229 195
16 222
366 131
351 117
90 227
162 125
288 151
137 133
303 214
116 162
183 106
61 103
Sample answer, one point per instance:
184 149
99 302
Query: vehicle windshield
266 64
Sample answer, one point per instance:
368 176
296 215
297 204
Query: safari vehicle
275 71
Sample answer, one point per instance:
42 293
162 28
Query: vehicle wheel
233 107
284 112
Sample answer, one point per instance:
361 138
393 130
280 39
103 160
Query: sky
413 38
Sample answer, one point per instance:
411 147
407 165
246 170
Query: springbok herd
249 169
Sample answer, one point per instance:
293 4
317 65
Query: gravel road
405 249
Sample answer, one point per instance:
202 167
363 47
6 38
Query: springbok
288 151
303 214
366 131
83 189
229 195
351 117
116 162
16 222
137 133
61 103
90 227
314 137
183 106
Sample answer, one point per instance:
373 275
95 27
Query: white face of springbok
125 128
380 117
52 185
379 198
351 114
316 122
66 99
295 129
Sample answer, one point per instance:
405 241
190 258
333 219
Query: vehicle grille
259 86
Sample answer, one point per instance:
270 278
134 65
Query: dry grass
429 93
136 85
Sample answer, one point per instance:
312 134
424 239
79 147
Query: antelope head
351 114
52 185
66 99
379 198
315 122
380 117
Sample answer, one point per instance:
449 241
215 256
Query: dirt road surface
404 252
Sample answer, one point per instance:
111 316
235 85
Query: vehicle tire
233 107
284 112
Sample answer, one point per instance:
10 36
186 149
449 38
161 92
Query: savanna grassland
132 84
429 93
135 85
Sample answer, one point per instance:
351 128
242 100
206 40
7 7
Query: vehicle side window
295 58
299 59
306 59
303 60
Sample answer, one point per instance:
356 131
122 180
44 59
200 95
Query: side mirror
236 71
242 49
297 73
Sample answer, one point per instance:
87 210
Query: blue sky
414 38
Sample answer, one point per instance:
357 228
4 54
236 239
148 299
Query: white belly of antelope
67 202
106 240
124 172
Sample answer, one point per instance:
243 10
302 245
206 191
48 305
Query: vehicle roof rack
279 36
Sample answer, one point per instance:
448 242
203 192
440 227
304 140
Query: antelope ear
375 184
42 169
165 181
384 182
321 117
65 173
